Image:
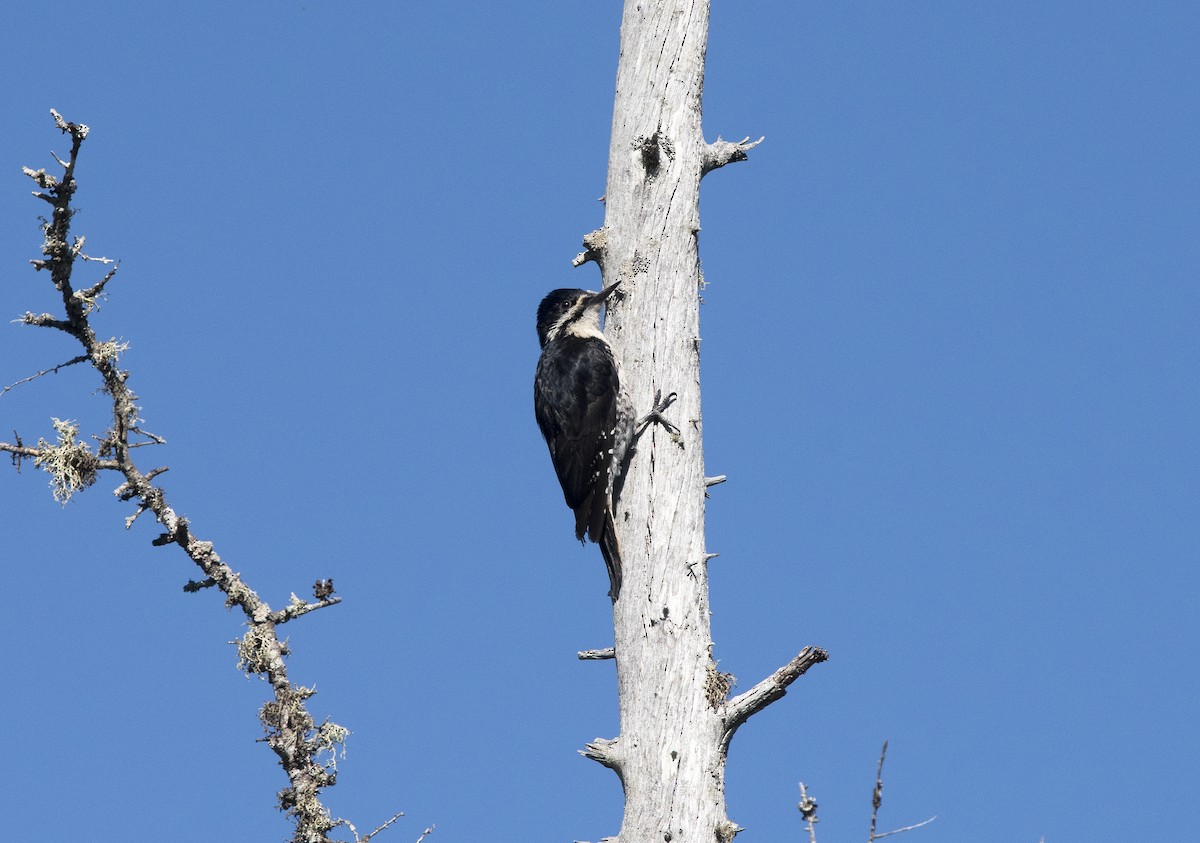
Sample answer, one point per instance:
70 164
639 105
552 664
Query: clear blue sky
950 367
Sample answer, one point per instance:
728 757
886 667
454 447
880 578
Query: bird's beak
605 293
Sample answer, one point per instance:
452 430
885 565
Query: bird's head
569 311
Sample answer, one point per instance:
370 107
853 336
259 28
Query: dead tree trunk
676 718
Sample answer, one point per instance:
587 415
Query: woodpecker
583 411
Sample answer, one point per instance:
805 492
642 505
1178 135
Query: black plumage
580 405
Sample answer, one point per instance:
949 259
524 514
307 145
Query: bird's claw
656 416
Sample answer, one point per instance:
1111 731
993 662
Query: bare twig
19 451
382 826
192 586
366 837
877 800
105 261
96 289
129 522
906 828
153 437
80 359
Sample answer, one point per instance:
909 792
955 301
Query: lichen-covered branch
307 751
808 811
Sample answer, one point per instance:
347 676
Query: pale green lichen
110 351
256 650
70 463
331 738
727 830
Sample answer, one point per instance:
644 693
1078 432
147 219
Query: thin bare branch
906 828
739 709
20 451
83 358
132 518
97 288
104 261
192 586
381 827
877 800
153 437
366 837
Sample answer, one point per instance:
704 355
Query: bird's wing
580 440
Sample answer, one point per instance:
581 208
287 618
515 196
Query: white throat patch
576 324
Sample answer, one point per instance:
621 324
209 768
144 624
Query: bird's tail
610 549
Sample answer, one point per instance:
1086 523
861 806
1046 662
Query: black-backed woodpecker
582 408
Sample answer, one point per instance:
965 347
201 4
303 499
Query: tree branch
877 794
80 359
739 709
594 245
299 608
722 152
877 800
598 655
603 750
306 751
906 828
369 835
45 320
808 810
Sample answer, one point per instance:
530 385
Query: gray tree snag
675 712
306 750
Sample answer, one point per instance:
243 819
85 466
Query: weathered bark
676 721
668 754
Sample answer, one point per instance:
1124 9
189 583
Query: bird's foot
656 416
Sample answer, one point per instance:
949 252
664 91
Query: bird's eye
565 306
